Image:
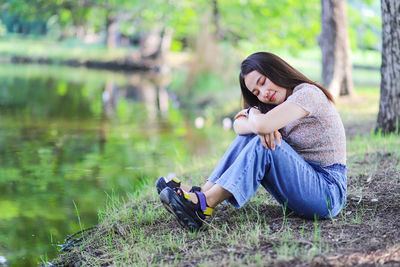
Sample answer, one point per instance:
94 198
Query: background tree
335 47
389 105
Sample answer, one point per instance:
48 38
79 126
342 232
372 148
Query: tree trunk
150 43
166 41
335 47
389 105
109 98
113 34
216 19
155 44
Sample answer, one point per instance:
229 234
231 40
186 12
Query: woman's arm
274 119
241 123
241 126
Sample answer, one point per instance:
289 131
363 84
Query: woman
306 171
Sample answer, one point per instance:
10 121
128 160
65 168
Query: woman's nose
264 93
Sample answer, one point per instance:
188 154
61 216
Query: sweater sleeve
309 97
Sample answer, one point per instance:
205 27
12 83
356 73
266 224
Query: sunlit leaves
272 23
280 24
364 23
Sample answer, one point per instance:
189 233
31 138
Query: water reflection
71 135
149 89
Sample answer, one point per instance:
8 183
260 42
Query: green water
75 136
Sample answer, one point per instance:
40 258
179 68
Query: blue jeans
304 187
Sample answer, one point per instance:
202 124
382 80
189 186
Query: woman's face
264 89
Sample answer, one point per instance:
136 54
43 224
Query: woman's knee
284 150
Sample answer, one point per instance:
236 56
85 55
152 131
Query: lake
71 138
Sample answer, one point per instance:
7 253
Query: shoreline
125 65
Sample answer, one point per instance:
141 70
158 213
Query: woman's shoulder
308 91
307 87
310 98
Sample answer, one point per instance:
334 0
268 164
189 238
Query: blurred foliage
365 24
249 24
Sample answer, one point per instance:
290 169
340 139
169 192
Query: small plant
77 214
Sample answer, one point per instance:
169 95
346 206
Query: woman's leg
207 186
285 174
215 195
318 191
229 157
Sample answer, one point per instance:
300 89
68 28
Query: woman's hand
268 139
253 111
241 123
242 113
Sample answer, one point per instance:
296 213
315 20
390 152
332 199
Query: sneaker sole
174 205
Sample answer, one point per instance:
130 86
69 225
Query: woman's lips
272 98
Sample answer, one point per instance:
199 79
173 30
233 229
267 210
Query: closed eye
262 80
255 92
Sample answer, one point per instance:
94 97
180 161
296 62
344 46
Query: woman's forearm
259 124
276 118
242 126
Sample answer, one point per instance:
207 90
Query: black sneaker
188 214
162 183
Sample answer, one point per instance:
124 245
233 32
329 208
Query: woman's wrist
247 111
249 108
253 118
253 109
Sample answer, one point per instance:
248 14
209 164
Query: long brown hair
278 71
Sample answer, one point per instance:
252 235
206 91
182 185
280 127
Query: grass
77 214
137 230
